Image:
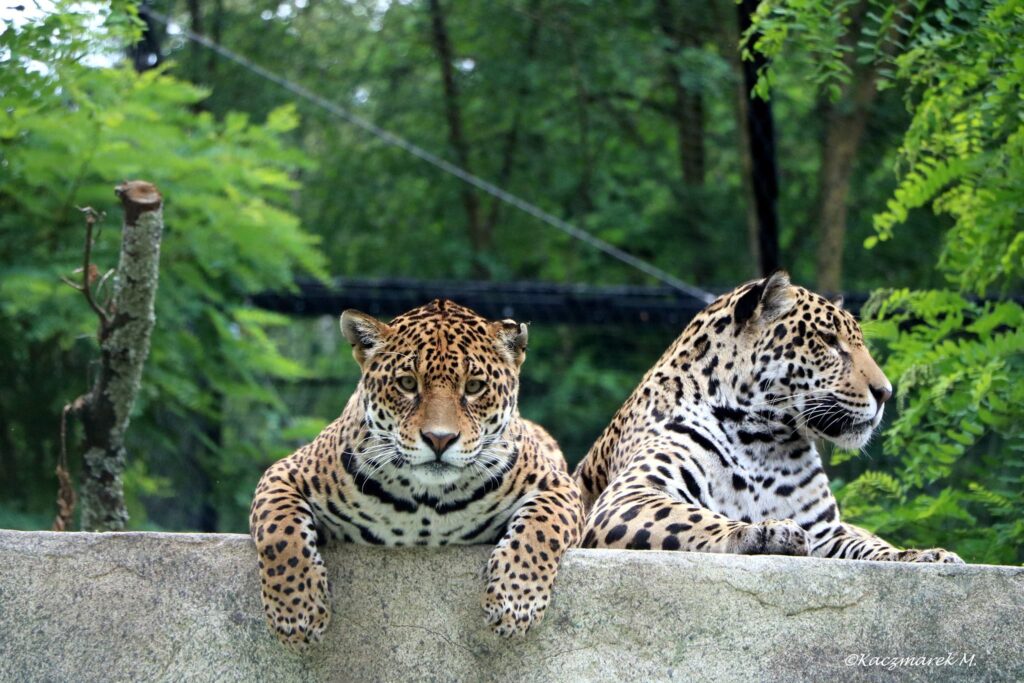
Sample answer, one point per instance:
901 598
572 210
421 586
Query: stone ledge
146 606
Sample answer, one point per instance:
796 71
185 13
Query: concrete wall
88 607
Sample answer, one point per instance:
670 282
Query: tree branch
88 269
66 497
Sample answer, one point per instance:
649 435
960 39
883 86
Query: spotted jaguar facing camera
715 449
430 450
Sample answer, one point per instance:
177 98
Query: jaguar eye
833 341
474 386
407 383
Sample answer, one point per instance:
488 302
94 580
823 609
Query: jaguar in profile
715 449
430 450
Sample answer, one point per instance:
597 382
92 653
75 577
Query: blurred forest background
899 138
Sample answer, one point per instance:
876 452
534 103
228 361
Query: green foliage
68 133
958 453
596 137
952 471
589 99
572 109
832 39
819 55
964 150
958 364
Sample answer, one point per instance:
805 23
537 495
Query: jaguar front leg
292 574
641 517
522 568
852 542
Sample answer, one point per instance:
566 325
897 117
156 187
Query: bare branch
99 288
73 285
88 269
66 497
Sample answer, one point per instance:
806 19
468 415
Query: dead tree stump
126 324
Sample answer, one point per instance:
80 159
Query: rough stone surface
140 606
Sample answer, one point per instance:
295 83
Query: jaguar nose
439 441
882 394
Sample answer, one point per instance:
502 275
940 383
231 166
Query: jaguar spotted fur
430 450
715 449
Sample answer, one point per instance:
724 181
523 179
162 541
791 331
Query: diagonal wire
434 160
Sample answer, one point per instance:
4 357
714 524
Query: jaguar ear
364 332
838 301
765 300
512 339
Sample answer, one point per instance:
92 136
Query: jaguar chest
746 472
399 518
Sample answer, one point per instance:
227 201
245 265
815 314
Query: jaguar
716 449
430 450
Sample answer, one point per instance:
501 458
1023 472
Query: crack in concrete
115 570
559 653
759 597
440 635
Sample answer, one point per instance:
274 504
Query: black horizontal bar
540 302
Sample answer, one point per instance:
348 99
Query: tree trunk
512 135
844 129
690 124
195 19
845 121
479 235
124 345
146 54
215 35
688 105
761 137
729 38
